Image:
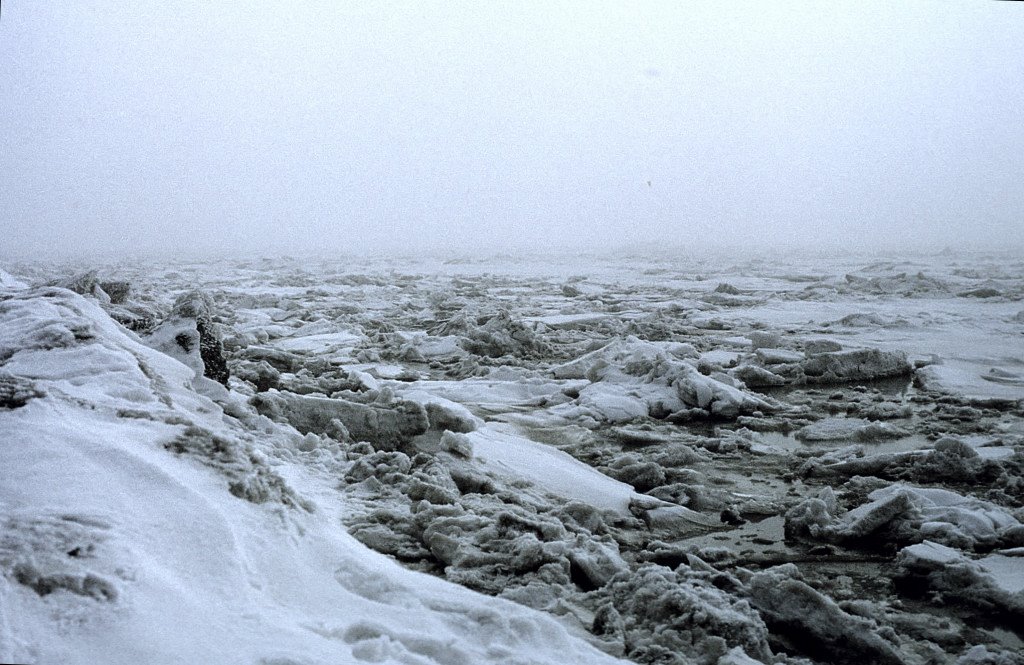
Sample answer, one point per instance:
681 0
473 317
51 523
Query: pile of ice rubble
932 521
141 523
155 510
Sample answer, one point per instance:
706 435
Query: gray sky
222 126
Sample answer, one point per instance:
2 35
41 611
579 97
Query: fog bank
200 128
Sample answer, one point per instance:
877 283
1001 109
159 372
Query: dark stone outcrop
117 291
83 283
16 391
199 306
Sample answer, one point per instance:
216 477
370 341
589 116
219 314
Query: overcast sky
258 126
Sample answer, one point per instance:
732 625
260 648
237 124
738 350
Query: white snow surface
160 563
1007 572
974 385
1003 573
9 281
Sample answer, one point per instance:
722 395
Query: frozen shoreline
569 438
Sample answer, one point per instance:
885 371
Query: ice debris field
657 459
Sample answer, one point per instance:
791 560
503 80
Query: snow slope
142 524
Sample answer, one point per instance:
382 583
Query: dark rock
983 292
84 283
117 291
200 307
16 391
135 317
731 517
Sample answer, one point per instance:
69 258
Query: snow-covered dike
140 524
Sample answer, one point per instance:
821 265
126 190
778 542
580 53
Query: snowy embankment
142 524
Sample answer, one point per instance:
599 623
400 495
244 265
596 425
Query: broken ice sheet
570 449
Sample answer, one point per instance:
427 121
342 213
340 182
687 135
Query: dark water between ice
898 445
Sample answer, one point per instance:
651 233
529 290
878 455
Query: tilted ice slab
993 581
848 429
491 395
115 549
569 321
444 413
9 281
501 449
970 385
319 343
